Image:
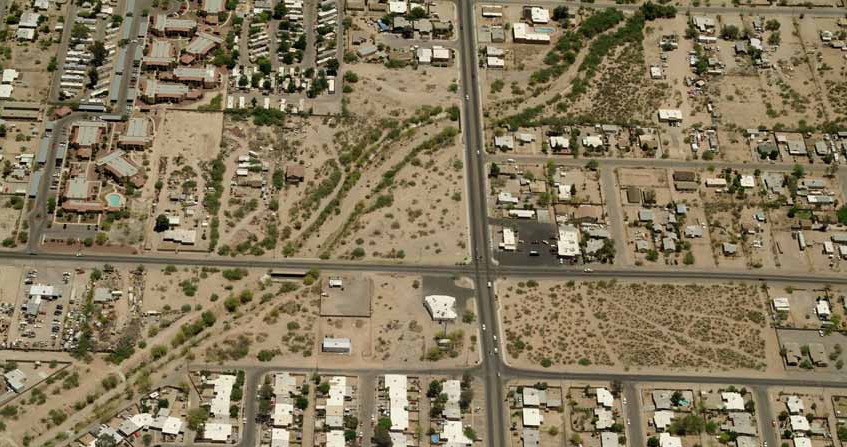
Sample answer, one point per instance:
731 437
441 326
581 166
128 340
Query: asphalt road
493 271
765 414
766 11
472 125
609 162
632 413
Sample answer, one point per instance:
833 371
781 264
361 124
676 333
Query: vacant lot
641 325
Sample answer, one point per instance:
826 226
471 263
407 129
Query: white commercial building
441 307
508 243
568 244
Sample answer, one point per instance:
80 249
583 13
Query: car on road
489 284
587 270
467 97
624 401
820 332
483 327
495 338
495 351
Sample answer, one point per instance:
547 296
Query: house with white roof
666 440
398 401
662 419
732 401
531 417
799 423
795 405
604 397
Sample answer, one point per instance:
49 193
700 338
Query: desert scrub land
593 73
634 325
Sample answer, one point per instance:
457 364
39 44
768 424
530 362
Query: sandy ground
600 326
185 143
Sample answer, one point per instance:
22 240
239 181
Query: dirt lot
185 144
600 326
375 206
398 332
401 332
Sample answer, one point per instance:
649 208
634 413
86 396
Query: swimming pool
114 200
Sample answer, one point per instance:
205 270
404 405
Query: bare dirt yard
646 326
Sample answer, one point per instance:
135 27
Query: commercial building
441 307
567 246
508 243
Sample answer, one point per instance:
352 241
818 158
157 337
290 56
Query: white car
467 97
587 270
483 327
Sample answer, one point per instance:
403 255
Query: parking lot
37 323
535 243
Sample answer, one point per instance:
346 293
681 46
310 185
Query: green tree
730 32
435 389
381 437
162 223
